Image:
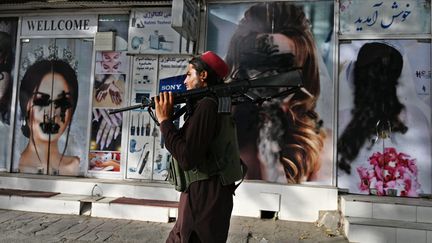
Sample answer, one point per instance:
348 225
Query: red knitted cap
216 63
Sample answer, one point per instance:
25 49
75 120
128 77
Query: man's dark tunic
205 208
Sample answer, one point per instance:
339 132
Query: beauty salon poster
384 140
273 147
109 92
51 128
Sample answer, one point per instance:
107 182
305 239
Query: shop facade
365 129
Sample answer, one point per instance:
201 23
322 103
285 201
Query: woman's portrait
383 146
48 95
281 140
110 62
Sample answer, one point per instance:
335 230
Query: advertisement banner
150 32
172 73
108 93
384 140
51 129
141 127
147 156
287 139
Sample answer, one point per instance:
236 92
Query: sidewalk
18 226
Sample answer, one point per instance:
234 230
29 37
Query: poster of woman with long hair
384 140
287 139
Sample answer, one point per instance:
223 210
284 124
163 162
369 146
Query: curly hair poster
287 139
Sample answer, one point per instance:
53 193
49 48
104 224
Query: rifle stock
290 79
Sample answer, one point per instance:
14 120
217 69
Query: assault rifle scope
234 92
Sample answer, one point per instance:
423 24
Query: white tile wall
43 205
270 201
410 236
395 220
294 202
429 236
371 234
156 193
394 212
301 203
424 214
357 209
131 212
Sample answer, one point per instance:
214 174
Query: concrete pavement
19 226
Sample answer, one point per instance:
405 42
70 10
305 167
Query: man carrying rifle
206 157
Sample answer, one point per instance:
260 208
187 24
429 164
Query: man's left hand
164 106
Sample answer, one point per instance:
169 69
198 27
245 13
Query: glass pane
118 24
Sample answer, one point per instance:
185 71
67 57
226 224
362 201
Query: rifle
231 93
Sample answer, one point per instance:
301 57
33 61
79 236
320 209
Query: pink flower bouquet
390 173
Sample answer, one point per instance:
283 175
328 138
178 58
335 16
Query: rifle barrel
126 109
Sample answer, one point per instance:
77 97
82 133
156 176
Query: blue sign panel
173 84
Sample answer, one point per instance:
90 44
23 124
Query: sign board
59 25
173 84
150 32
378 16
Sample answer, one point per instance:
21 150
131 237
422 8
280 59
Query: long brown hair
292 123
376 74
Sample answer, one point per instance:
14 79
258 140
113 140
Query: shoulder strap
244 171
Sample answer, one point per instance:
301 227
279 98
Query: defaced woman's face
279 44
50 114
